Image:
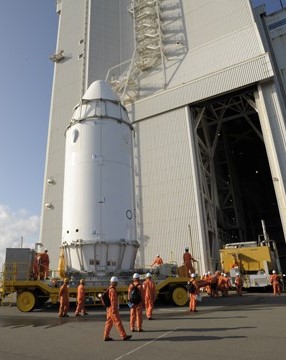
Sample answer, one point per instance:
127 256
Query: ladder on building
149 50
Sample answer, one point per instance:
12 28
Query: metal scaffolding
148 48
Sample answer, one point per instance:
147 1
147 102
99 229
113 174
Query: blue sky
28 31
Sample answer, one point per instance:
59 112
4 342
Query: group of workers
188 261
146 298
143 294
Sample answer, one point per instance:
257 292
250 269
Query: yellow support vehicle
254 261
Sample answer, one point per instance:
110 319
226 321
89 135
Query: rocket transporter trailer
17 278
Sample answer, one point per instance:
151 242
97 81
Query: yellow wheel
180 296
26 301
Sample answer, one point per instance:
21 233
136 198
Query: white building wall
168 200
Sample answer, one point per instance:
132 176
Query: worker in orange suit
188 259
207 279
80 298
45 262
157 261
275 282
150 295
213 284
36 268
238 284
194 290
136 310
64 299
222 284
112 314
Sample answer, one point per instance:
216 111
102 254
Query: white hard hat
209 272
46 249
273 272
193 275
136 276
148 275
114 279
158 255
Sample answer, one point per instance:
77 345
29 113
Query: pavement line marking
147 343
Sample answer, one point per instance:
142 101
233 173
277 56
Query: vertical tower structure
204 89
93 36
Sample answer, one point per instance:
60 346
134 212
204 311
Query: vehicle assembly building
204 85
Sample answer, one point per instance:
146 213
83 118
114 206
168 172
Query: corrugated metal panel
227 80
66 93
166 196
218 36
210 20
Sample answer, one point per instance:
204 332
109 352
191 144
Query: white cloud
15 226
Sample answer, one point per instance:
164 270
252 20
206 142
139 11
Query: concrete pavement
247 327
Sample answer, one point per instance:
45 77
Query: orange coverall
80 300
150 297
193 297
112 315
64 300
187 258
137 309
213 285
275 282
238 283
36 268
45 262
158 261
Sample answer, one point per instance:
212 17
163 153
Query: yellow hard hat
66 280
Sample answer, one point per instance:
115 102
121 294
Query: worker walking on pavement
188 259
112 313
80 298
150 295
64 299
275 282
136 299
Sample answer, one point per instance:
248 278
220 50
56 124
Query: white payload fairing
99 227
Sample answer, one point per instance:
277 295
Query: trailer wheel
179 296
26 301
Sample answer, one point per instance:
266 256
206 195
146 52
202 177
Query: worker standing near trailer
45 261
239 284
136 299
150 295
80 299
188 259
157 261
112 313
